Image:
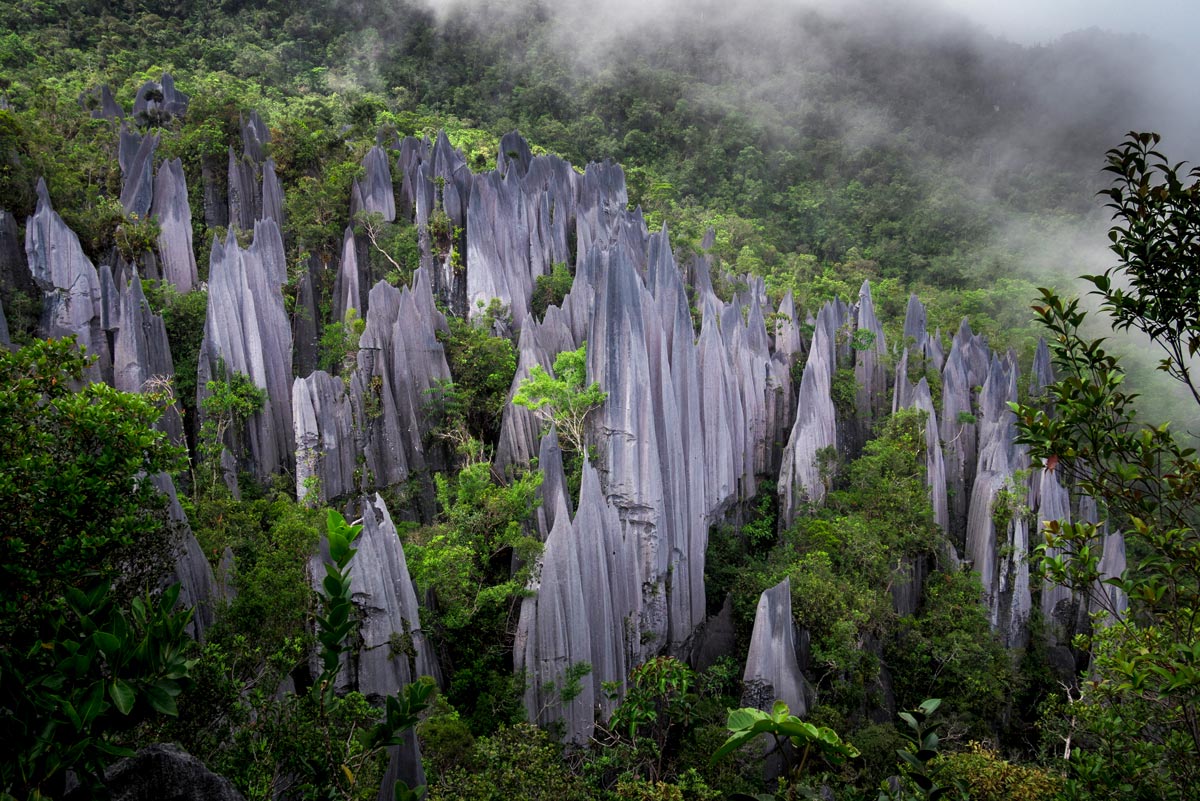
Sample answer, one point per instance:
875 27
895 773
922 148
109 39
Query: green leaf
123 695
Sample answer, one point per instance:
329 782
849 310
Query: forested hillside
515 401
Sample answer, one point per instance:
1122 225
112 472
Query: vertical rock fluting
378 197
325 452
246 330
801 478
997 536
137 174
69 284
142 356
393 650
870 374
585 609
400 359
772 672
170 207
197 586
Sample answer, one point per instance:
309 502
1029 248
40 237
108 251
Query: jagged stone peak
556 500
173 212
772 672
272 195
99 101
866 318
255 136
513 155
378 197
1042 374
914 321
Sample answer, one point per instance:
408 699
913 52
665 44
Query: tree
563 399
1139 709
85 652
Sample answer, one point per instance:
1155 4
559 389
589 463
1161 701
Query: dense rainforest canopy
791 156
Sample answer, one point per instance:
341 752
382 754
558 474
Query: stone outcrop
198 588
997 536
165 771
69 283
400 360
247 330
142 355
324 438
772 672
801 478
159 101
376 191
393 650
174 214
585 610
137 173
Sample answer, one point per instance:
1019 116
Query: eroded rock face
166 771
772 672
586 609
142 355
997 536
69 283
247 330
197 586
376 190
324 438
137 172
174 215
815 428
870 375
400 360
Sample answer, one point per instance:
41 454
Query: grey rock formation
5 339
197 586
378 197
306 322
272 195
1060 610
159 101
520 429
602 201
553 491
870 374
166 772
244 191
142 355
255 137
815 428
174 215
393 651
14 271
772 672
585 609
349 290
400 359
965 369
69 283
935 468
324 438
997 536
100 102
247 331
513 155
137 176
1042 374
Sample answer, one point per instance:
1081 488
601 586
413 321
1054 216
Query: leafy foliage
1145 682
563 399
807 742
79 654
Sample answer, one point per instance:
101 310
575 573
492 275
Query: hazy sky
1039 21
